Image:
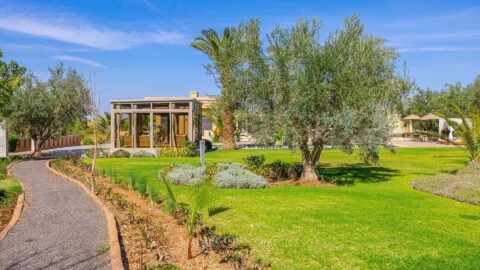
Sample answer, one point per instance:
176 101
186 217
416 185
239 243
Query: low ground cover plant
120 154
224 175
100 153
463 186
142 154
9 191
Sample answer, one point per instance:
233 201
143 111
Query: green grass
379 222
9 187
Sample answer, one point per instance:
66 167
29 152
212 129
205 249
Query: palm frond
214 210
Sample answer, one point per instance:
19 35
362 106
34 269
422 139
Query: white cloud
75 31
438 49
70 58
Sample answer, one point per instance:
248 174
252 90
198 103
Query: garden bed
462 186
150 238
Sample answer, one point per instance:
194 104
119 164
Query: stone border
18 208
113 242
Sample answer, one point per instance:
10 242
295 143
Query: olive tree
10 79
40 109
341 92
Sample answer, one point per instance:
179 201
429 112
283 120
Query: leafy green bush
462 186
190 149
279 170
88 141
187 151
254 162
208 145
12 142
142 154
120 154
224 175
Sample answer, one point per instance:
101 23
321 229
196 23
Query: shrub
142 154
120 154
208 145
279 170
185 174
224 175
100 153
254 162
177 151
88 141
12 142
235 176
190 149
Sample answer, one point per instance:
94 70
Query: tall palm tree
223 52
104 124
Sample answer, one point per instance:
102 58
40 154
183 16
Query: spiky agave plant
201 201
468 130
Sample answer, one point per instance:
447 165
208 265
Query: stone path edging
114 244
18 208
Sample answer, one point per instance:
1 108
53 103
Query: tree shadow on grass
349 174
470 217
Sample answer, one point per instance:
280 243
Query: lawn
379 222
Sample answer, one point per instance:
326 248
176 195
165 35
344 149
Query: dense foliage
10 79
142 154
120 153
424 101
40 109
340 92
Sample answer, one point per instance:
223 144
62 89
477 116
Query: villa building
155 122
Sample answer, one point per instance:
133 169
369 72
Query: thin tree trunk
228 141
189 251
95 153
36 147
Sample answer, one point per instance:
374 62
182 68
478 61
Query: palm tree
223 52
201 201
468 130
104 124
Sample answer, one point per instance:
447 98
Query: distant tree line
443 101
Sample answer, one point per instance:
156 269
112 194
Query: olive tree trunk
36 147
310 158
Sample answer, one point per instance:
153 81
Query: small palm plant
201 201
468 130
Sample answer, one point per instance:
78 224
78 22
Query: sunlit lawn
379 222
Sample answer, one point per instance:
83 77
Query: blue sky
137 48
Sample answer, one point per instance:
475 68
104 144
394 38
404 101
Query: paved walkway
61 227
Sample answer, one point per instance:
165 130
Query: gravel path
61 227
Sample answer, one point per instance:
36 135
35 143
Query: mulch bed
6 213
